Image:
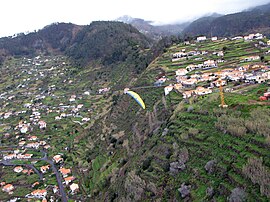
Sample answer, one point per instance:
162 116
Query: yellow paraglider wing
137 98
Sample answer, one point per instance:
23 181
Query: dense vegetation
176 149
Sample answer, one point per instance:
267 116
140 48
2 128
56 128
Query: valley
69 133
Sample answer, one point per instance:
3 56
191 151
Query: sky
19 16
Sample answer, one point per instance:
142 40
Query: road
49 161
57 175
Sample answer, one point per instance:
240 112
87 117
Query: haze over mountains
63 37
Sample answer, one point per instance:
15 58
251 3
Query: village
210 69
43 106
28 120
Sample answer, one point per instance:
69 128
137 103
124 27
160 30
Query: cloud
28 15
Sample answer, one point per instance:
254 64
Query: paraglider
135 96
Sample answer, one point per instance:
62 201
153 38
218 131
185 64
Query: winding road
49 161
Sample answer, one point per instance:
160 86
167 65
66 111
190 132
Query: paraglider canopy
135 96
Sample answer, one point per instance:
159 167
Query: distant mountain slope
155 32
201 25
109 42
257 19
55 37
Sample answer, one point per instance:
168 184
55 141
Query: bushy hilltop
178 149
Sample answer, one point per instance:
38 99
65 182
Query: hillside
254 20
66 121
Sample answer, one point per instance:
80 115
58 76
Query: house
2 183
179 55
10 156
8 188
7 115
214 38
258 36
168 89
85 119
210 63
42 142
201 38
190 68
235 75
42 124
181 72
104 90
34 145
47 146
249 37
65 171
178 86
218 82
251 58
55 189
39 193
202 91
160 81
34 138
57 158
69 179
21 143
237 38
243 68
24 128
44 169
86 93
35 184
24 156
189 82
18 169
74 187
80 106
188 94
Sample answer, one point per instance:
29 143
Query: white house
168 89
74 187
214 38
201 38
202 91
181 72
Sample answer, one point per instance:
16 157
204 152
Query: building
218 82
201 38
44 169
69 179
74 187
210 63
39 193
181 72
42 124
188 94
168 89
64 171
8 188
57 158
214 38
202 91
18 169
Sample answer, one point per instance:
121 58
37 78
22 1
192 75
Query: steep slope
52 38
201 25
255 20
109 42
